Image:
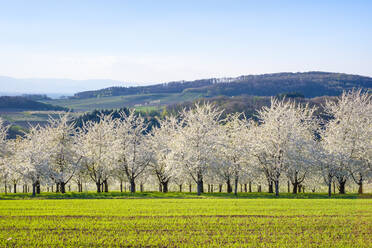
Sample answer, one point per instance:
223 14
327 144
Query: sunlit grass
206 222
113 102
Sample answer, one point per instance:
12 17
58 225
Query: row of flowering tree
286 142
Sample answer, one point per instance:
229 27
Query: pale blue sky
156 41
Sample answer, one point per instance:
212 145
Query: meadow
26 118
113 102
185 220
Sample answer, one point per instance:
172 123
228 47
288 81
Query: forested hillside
310 84
248 104
95 116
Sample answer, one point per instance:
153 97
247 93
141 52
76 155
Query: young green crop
186 222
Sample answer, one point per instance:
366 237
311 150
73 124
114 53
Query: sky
145 42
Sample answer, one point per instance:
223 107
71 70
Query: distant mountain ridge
53 87
310 84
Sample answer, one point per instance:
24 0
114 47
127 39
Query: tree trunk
63 187
141 187
121 186
271 189
132 186
228 184
199 185
212 188
236 185
245 188
180 185
359 182
341 187
289 187
209 188
295 187
259 189
34 189
57 187
98 184
38 188
5 187
360 189
164 186
220 188
105 184
160 188
277 188
329 189
15 188
250 187
299 188
190 187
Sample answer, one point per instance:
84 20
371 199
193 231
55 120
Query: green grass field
27 118
180 222
113 102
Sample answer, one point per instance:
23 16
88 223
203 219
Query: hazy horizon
57 87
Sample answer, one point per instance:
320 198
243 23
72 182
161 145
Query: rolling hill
309 84
18 103
20 112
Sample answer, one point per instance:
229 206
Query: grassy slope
90 104
25 118
186 222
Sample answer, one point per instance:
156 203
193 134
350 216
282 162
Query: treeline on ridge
311 84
